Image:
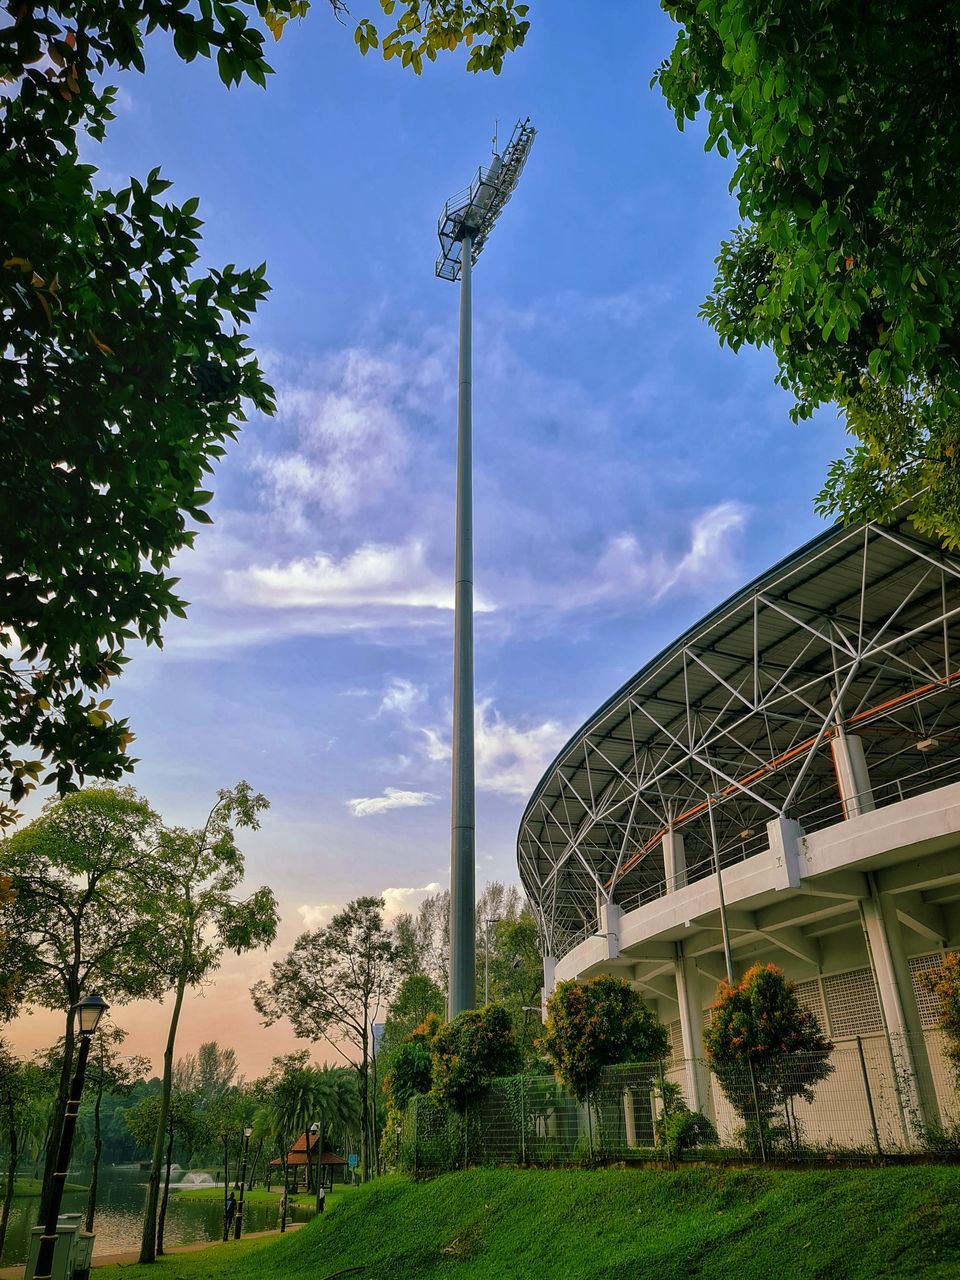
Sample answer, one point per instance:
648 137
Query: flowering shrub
765 1049
469 1052
596 1024
945 983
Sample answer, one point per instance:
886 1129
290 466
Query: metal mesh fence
873 1096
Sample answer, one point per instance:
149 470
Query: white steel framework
847 651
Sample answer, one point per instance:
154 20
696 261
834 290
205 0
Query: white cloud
319 914
392 798
510 759
401 698
627 569
373 575
396 901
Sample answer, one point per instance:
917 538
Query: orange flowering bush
764 1048
471 1051
945 983
597 1024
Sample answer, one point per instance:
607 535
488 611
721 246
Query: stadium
782 783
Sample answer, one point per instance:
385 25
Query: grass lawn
31 1187
613 1224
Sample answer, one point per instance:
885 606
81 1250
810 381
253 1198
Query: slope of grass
614 1225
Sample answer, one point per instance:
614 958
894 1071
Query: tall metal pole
463 977
724 927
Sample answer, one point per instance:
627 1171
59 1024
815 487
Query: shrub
945 983
765 1050
677 1127
597 1024
471 1051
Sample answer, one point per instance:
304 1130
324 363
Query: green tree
87 912
469 1052
765 1050
182 1116
331 987
599 1023
845 264
293 1094
12 1105
944 982
202 870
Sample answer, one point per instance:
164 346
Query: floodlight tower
465 224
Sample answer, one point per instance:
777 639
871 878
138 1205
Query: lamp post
465 223
314 1129
225 1139
88 1012
243 1178
724 926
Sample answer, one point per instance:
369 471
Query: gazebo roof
297 1154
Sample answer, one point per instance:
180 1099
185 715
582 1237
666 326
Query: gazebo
297 1158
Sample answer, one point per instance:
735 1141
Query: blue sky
630 474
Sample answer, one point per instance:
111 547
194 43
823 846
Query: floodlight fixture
465 225
471 213
928 744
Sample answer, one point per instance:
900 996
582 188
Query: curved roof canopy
857 633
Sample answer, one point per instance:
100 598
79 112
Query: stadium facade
792 762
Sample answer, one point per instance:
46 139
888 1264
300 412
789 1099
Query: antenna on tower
496 130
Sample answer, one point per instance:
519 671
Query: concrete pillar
629 1119
549 983
853 777
610 928
674 861
784 836
691 1031
900 1014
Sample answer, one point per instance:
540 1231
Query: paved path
115 1259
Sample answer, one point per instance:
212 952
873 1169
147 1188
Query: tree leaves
846 263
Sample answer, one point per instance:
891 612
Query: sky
630 473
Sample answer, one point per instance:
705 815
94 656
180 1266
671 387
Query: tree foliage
764 1047
595 1024
945 984
124 369
469 1052
331 987
846 139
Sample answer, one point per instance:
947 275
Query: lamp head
315 1127
247 1131
89 1012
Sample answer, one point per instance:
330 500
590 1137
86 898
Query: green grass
31 1187
614 1224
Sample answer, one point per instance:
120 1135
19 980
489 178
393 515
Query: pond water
120 1214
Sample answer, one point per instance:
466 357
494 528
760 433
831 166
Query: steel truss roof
731 725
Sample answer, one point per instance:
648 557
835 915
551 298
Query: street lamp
243 1178
88 1013
317 1130
465 223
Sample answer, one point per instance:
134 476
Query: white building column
674 860
853 777
549 984
900 1014
691 1031
610 928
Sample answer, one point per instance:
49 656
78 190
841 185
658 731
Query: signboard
353 1160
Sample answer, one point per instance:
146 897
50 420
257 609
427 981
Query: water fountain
191 1181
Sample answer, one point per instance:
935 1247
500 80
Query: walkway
115 1259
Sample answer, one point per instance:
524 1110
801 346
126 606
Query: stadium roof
729 726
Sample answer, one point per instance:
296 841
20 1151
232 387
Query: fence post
663 1110
756 1109
869 1095
416 1136
590 1124
523 1121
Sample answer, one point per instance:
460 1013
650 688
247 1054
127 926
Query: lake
120 1215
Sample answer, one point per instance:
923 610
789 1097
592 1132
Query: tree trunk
283 1193
56 1118
11 1176
97 1149
162 1215
148 1239
253 1167
374 1136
